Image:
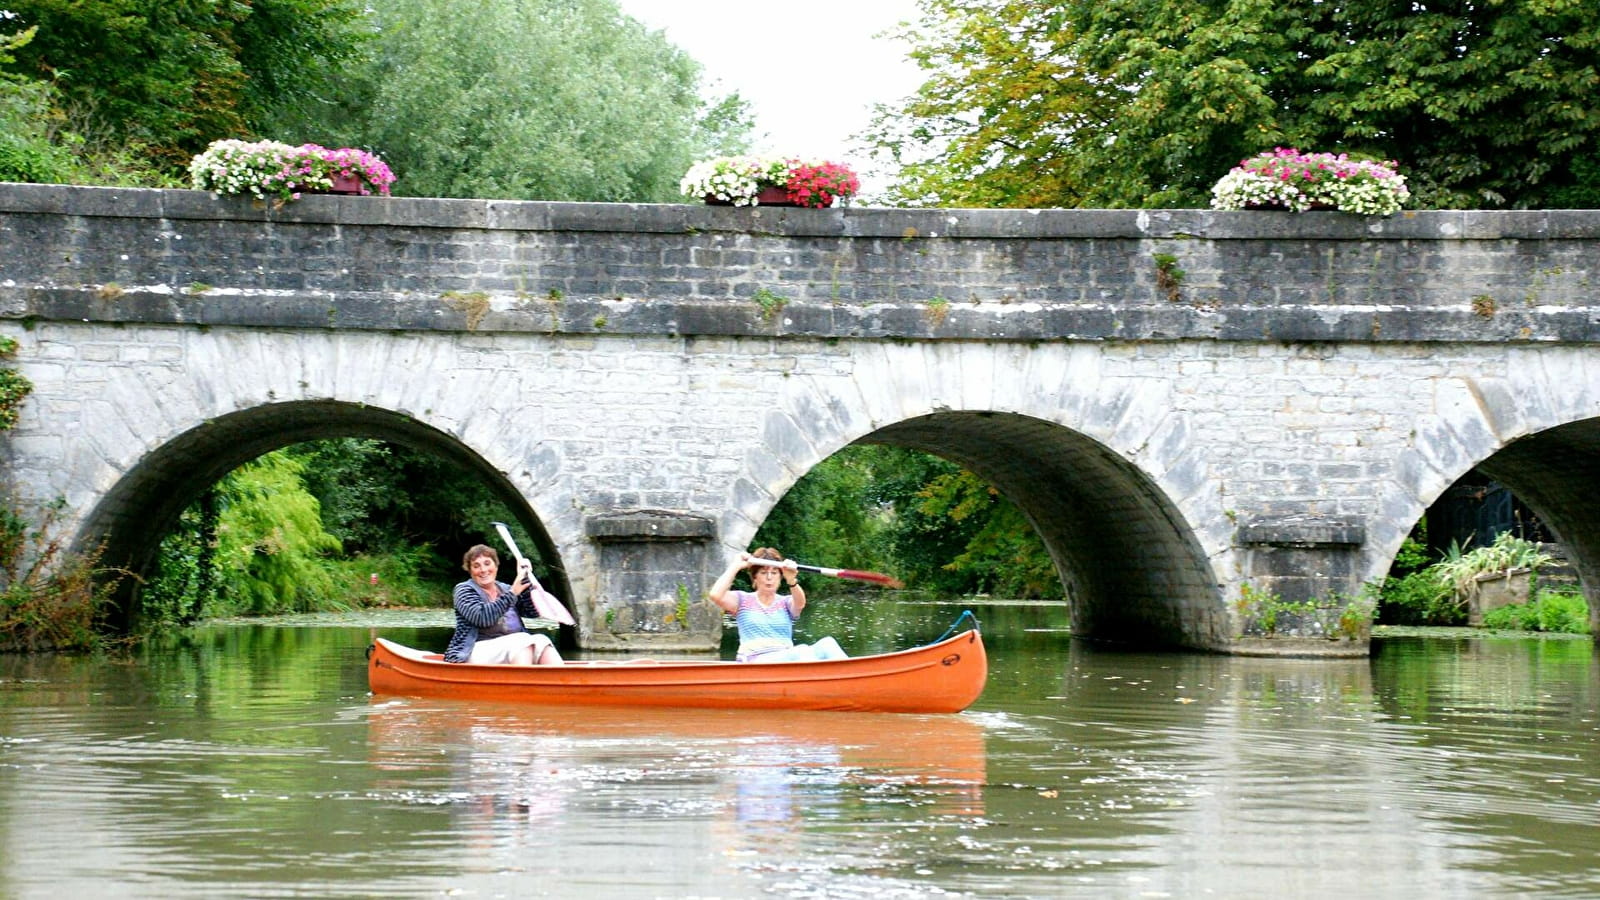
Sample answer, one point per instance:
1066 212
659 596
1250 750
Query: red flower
818 185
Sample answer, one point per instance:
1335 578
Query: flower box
344 184
1287 179
770 195
1493 590
772 181
272 169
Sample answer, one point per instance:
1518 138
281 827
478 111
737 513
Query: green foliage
1458 571
1004 555
939 528
298 57
1259 610
1551 611
379 498
27 152
270 541
1337 616
1411 595
400 579
1438 592
380 509
529 99
49 598
14 386
1418 598
166 77
831 518
185 572
1146 103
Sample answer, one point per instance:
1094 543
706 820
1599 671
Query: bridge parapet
190 257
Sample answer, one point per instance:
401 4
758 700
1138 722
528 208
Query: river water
250 761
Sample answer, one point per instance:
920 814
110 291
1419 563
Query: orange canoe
946 676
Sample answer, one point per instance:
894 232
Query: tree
270 540
166 77
937 526
1002 555
27 151
531 99
1145 103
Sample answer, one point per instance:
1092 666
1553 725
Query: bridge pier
650 591
1302 572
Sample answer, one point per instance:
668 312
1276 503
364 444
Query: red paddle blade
874 577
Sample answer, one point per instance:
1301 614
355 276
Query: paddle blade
551 608
547 605
874 577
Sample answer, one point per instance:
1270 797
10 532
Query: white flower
733 179
1240 189
1289 179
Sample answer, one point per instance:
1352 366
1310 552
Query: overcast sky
810 95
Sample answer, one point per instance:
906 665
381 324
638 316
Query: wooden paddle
545 602
852 574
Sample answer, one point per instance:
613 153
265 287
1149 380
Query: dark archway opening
1131 573
146 503
1539 489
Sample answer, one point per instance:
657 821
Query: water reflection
249 761
749 766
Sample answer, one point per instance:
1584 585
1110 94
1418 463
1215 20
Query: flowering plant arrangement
274 169
369 172
1289 179
818 184
739 180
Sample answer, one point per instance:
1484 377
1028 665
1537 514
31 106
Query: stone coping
853 222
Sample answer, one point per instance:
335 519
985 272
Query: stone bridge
1183 403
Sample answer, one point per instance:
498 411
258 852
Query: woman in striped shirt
766 617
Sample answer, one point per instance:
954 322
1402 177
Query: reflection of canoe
941 677
947 751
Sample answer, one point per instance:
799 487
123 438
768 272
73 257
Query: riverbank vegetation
51 598
352 523
1426 591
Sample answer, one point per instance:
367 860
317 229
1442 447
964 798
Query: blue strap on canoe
966 616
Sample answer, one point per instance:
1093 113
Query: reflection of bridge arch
144 504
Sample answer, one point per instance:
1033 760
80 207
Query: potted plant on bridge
1286 178
769 180
271 169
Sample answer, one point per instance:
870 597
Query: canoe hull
943 677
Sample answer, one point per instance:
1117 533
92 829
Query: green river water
250 761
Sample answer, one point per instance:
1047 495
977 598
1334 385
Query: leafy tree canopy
532 99
1145 103
169 76
935 525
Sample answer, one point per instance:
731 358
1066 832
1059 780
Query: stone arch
1556 472
145 502
1132 572
1535 429
1102 465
